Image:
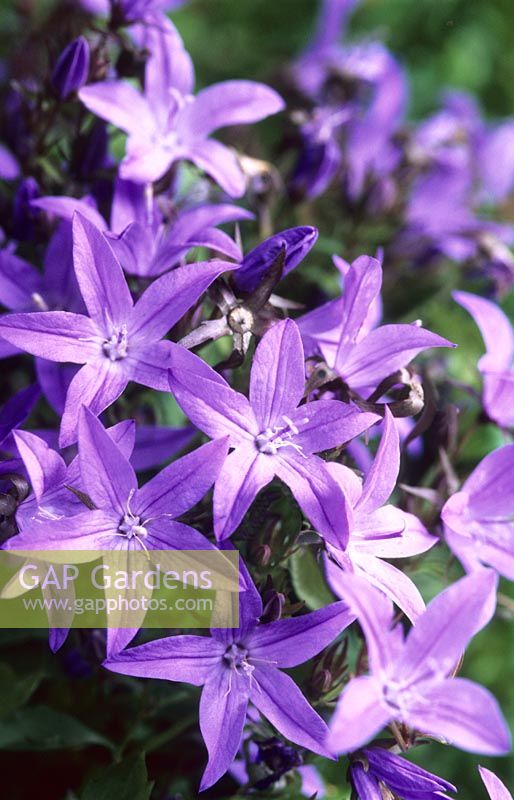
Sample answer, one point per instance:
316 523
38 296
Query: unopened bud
72 68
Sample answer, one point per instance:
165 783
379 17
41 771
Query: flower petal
230 103
277 380
208 400
169 297
101 280
181 485
220 163
108 476
190 659
442 633
358 717
316 492
464 714
223 706
380 481
289 642
496 789
244 473
495 328
55 335
279 699
120 104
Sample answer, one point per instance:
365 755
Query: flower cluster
328 435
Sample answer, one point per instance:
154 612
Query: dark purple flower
72 68
375 767
271 433
409 680
242 665
296 244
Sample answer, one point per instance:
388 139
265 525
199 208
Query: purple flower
125 517
478 519
145 244
363 357
167 124
378 531
409 680
242 665
119 341
72 68
495 788
497 365
271 434
374 768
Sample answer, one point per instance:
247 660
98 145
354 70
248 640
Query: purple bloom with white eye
125 516
72 68
378 531
375 768
497 365
241 666
409 680
496 789
271 434
363 357
167 123
119 341
479 519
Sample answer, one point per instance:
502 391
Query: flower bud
72 68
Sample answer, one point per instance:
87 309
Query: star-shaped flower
241 666
410 680
120 341
271 433
167 123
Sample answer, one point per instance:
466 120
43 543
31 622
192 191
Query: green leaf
127 780
41 728
15 690
308 581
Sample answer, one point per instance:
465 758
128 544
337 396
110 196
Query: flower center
132 527
116 347
272 439
236 657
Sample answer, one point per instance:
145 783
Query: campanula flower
375 768
271 433
238 666
166 123
119 341
72 68
410 677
